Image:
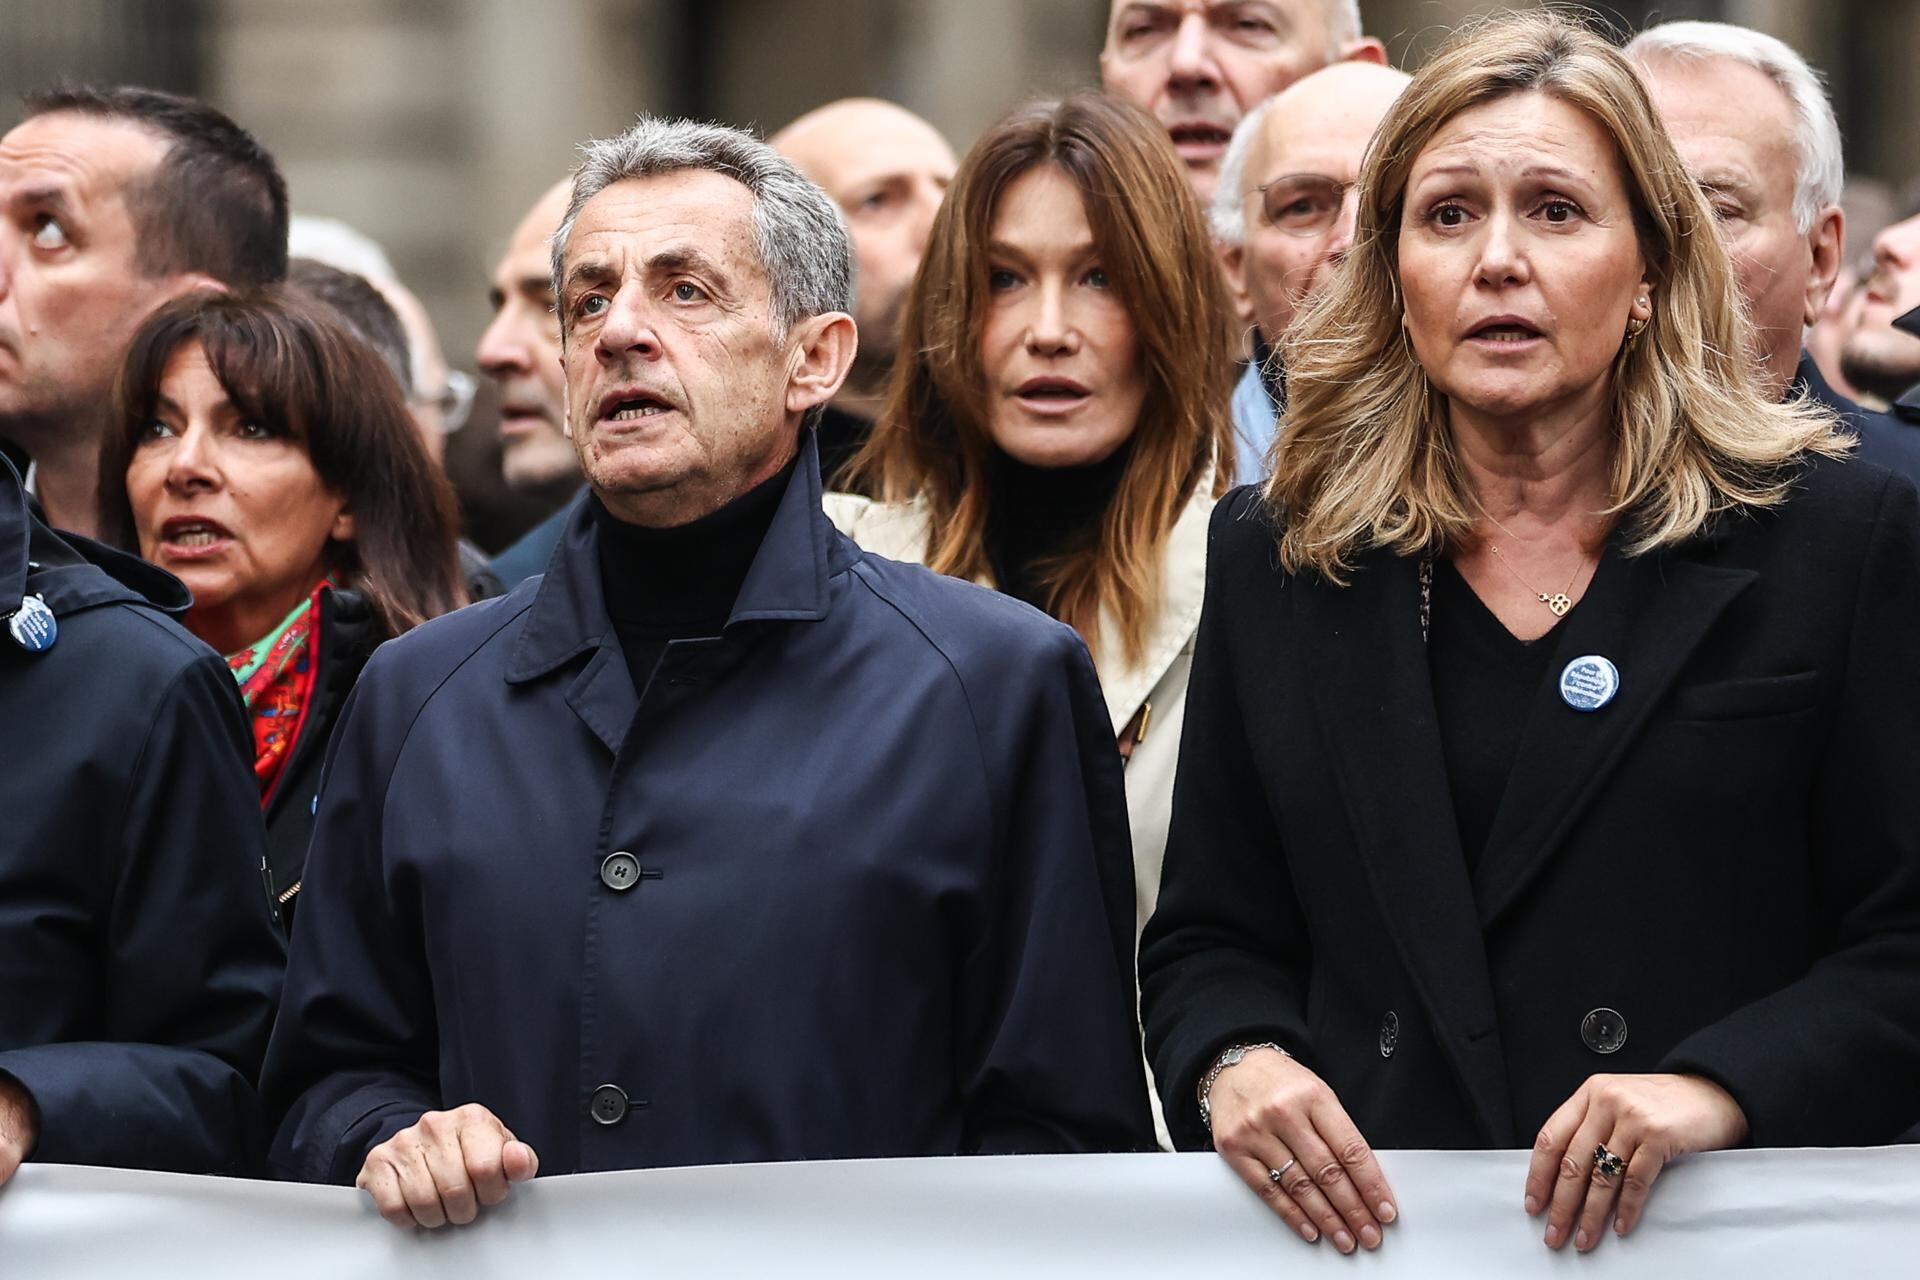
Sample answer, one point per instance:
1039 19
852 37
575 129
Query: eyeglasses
1303 204
455 400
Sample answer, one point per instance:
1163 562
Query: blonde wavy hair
1366 458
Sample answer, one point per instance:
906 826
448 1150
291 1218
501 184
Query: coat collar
1183 583
788 581
67 571
1646 614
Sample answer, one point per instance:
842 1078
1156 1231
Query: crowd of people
1285 606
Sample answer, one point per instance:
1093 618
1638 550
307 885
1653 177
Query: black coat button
1389 1034
1603 1031
609 1105
620 872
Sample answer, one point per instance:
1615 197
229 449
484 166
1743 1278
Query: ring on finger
1274 1175
1608 1164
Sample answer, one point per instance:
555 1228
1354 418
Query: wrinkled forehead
686 213
1518 134
1297 13
90 160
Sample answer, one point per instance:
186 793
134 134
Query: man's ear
1233 268
1365 49
1828 240
823 348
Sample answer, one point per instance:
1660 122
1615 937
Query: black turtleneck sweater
680 583
1043 512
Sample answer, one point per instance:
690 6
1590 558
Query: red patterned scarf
276 680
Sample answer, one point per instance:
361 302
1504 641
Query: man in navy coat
138 964
723 840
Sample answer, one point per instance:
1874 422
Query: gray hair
1821 171
803 241
1227 211
1343 24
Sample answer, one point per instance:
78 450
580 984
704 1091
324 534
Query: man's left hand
17 1126
1644 1120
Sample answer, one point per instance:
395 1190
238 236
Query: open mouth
1504 329
1197 138
1052 394
192 533
633 407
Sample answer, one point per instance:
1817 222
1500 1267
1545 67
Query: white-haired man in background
1753 123
1283 215
1198 66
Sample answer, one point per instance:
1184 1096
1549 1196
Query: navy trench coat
138 965
850 879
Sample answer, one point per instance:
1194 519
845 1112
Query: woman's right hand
1272 1114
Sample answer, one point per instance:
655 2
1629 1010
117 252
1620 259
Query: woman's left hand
1644 1120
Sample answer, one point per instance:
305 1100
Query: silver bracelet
1228 1057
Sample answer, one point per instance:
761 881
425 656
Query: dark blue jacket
851 879
1885 441
531 553
138 969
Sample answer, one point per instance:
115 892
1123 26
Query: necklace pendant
1559 602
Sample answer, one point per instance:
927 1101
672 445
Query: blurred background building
433 124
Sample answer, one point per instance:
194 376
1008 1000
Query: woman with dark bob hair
1548 771
264 456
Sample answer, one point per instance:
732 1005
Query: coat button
620 872
1603 1031
609 1105
1389 1034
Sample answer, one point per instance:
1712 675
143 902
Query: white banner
1745 1215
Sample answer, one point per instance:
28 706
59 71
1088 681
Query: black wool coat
1716 873
138 969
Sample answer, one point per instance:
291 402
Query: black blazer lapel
1374 696
1646 615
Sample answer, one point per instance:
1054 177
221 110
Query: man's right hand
445 1167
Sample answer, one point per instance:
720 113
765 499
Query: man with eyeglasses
1283 214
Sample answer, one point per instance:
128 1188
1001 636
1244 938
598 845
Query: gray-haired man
723 841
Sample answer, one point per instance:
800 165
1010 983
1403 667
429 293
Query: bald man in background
888 170
1199 66
1283 214
520 351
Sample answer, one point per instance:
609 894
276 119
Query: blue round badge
32 625
1589 683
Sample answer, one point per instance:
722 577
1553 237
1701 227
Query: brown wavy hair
291 365
931 440
1366 458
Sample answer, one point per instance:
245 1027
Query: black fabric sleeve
190 960
1051 1055
354 1053
1225 957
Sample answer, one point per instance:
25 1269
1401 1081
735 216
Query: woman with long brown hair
1058 422
265 456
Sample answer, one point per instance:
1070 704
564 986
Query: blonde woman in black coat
1547 773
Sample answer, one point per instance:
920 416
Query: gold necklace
1559 601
